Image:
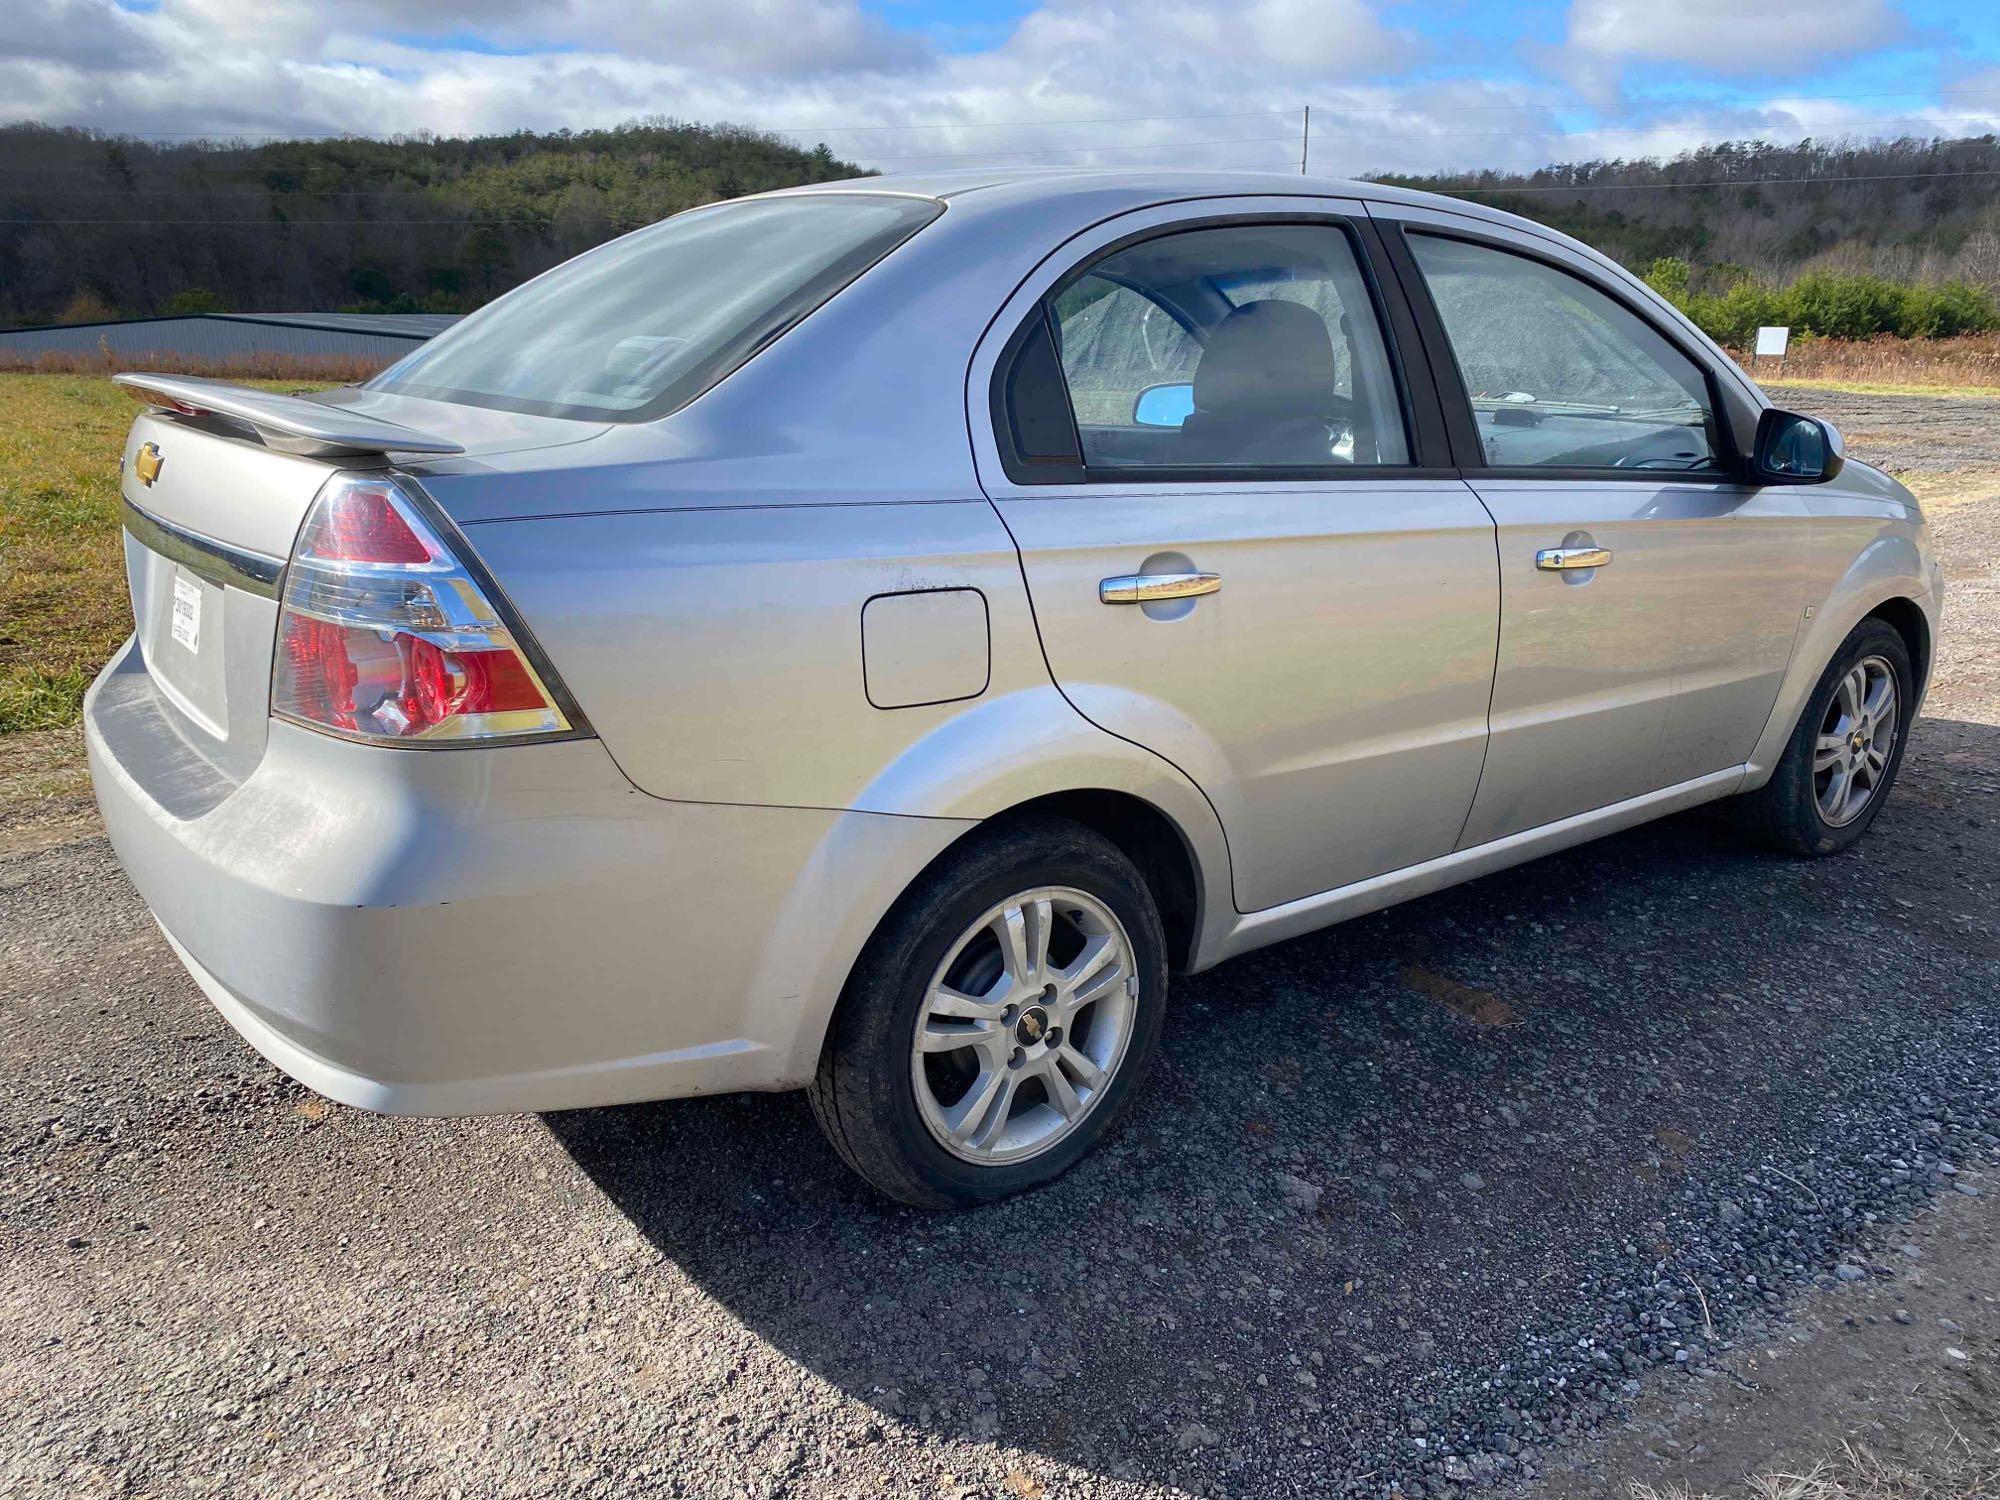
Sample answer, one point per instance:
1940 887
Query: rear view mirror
1792 449
1163 405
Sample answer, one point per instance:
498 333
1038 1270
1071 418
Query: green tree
194 299
487 256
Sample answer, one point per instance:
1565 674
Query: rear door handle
1144 588
1561 559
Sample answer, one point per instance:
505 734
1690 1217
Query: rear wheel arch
1145 834
1151 840
1167 854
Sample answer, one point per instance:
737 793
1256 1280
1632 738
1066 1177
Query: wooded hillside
1909 210
98 226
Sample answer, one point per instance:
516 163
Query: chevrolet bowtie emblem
146 464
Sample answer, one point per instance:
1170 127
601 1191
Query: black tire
1785 812
863 1093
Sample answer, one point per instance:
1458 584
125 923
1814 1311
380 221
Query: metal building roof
211 335
391 325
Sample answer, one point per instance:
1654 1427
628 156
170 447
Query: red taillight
384 634
313 662
361 524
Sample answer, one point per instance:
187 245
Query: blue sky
922 83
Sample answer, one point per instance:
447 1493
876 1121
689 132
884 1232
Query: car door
1650 596
1243 546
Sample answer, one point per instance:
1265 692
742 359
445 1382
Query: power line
1775 102
1255 114
1728 182
1661 129
355 135
918 156
465 223
1388 109
1067 150
199 170
1601 187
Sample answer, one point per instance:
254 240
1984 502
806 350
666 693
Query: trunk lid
206 539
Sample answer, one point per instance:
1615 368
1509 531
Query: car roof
992 187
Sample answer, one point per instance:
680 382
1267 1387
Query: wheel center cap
1033 1025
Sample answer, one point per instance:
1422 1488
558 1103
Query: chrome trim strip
219 563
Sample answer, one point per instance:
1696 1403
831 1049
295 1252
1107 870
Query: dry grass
1954 1472
1942 493
316 369
63 608
1956 366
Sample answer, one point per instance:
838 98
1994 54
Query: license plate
187 612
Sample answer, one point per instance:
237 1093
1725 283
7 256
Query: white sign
187 611
1773 341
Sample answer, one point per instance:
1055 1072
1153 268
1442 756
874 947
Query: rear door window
1241 347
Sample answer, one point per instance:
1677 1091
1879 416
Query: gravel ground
1411 1206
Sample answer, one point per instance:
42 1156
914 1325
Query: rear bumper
470 931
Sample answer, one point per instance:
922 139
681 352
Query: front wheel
1844 754
1000 1019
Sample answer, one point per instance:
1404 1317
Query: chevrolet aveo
866 637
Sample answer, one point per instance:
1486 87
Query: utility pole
1305 140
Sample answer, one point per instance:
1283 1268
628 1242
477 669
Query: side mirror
1792 449
1164 405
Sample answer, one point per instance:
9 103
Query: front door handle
1145 588
1561 559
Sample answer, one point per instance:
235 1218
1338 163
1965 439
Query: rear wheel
998 1023
1844 754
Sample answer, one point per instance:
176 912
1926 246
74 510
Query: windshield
641 326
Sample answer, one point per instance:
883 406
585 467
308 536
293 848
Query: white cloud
787 36
1777 38
324 66
80 33
1322 38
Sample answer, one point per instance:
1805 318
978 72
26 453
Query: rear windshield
641 326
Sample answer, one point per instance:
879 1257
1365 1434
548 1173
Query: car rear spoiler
287 423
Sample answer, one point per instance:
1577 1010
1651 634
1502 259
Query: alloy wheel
1856 740
1024 1025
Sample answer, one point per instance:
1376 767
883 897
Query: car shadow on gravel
1388 1176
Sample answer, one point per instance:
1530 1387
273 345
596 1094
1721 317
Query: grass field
62 576
63 607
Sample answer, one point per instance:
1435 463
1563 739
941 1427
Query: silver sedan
867 637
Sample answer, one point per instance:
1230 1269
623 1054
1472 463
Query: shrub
86 307
1669 276
1825 304
1843 307
1946 309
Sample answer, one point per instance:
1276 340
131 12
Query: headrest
1272 359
